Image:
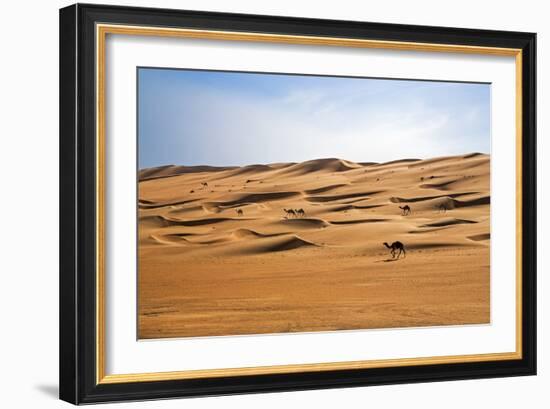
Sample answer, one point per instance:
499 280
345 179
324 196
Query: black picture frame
78 360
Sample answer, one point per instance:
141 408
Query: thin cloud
211 118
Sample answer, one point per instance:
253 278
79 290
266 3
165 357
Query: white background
29 204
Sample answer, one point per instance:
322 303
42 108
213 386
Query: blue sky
188 117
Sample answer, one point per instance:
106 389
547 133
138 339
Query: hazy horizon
214 118
306 160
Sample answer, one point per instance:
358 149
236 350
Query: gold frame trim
101 32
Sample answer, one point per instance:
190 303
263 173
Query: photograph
260 201
274 203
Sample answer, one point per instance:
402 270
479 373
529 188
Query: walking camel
240 212
300 212
442 208
396 246
289 212
406 210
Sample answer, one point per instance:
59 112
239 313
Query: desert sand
218 254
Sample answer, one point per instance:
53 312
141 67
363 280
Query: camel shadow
388 260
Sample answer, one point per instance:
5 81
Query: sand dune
260 197
447 185
304 223
166 221
480 201
172 170
146 204
291 242
355 221
480 237
398 161
320 165
219 255
343 196
448 222
247 170
324 189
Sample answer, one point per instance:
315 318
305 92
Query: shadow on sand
388 260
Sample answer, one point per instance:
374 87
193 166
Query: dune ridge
320 165
290 247
173 170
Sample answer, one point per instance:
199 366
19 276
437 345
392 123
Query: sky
192 117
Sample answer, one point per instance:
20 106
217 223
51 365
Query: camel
442 208
240 212
300 212
395 246
406 210
289 212
204 185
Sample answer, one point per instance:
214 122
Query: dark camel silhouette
442 208
300 212
290 212
204 185
406 210
395 246
240 212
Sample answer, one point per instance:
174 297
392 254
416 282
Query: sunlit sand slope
220 255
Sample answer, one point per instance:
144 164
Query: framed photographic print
257 203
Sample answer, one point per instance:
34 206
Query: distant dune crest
314 165
173 170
